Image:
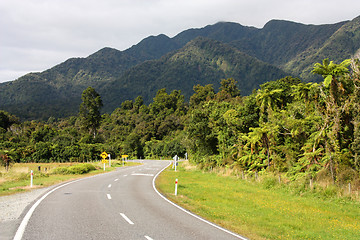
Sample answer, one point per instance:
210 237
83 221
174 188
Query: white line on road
116 180
148 238
142 174
109 186
125 175
186 211
108 196
126 218
20 231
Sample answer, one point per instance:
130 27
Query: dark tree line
286 126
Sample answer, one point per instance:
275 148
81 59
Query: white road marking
108 196
142 174
186 211
116 180
109 186
20 231
148 238
125 175
126 218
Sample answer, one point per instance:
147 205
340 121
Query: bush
76 169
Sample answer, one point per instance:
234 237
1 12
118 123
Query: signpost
104 155
124 157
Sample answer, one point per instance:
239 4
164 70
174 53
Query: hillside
250 55
202 61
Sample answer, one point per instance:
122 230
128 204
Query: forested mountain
225 50
202 61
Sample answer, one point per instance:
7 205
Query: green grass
252 210
18 178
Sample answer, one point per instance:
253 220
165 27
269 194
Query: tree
90 110
228 90
267 100
229 86
202 94
6 120
5 159
333 92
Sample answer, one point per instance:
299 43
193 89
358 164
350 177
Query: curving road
119 205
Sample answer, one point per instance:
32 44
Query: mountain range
203 56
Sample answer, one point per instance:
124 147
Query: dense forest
303 130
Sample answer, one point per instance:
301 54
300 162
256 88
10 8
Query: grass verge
257 212
18 178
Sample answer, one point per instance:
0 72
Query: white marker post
104 164
31 178
176 183
109 160
176 158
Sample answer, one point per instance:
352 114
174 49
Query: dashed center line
126 218
109 186
108 196
116 180
148 238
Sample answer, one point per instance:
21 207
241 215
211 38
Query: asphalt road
119 205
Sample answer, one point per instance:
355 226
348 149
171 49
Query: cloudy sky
38 34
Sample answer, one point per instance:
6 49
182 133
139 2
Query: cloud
38 34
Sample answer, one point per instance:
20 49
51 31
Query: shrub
76 169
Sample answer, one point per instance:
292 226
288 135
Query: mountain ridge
282 46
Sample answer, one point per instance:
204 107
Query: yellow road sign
104 155
104 161
124 156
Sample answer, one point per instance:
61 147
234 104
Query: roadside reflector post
31 178
176 158
176 184
109 159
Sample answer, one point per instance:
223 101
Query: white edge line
126 218
148 238
21 229
108 196
186 211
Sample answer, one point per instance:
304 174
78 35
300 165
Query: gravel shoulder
11 209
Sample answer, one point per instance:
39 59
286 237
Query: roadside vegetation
305 136
263 208
17 179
